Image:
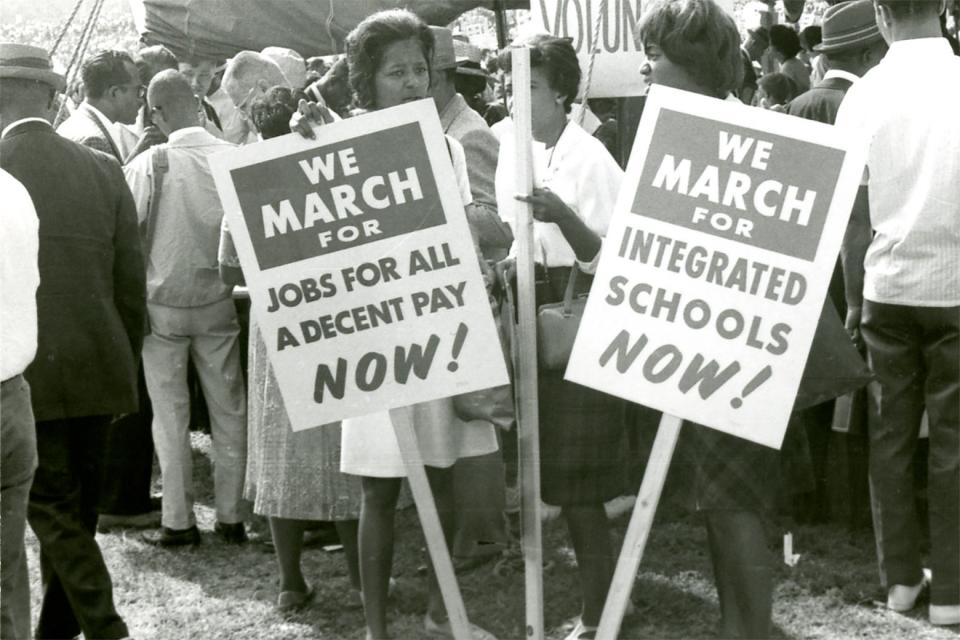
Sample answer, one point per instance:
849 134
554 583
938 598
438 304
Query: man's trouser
18 444
915 353
207 335
77 590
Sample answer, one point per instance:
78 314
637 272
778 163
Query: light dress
369 443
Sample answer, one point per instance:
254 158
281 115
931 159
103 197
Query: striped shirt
913 172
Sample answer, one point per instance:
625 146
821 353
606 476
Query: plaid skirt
582 439
582 443
729 473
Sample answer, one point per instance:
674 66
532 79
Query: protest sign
363 277
608 27
716 263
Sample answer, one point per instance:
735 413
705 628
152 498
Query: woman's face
659 69
546 103
403 75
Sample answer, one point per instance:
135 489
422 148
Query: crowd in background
135 318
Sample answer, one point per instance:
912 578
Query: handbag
557 325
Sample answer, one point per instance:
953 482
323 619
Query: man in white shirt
903 291
192 316
19 279
113 91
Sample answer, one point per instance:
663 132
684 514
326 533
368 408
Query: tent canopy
218 29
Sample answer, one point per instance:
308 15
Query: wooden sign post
639 529
430 522
528 413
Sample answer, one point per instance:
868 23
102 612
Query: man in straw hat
903 290
852 45
90 314
478 481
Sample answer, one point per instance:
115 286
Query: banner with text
716 264
610 29
363 277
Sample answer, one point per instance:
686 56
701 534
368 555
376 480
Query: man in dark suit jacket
114 94
90 311
852 45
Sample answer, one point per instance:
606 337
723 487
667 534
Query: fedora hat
452 53
26 62
848 25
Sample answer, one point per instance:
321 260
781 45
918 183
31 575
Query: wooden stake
430 521
528 413
639 530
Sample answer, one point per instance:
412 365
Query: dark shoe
167 537
108 522
234 533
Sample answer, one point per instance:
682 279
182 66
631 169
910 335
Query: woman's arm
548 207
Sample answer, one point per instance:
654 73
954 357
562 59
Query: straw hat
28 63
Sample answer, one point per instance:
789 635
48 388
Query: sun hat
28 63
848 25
292 64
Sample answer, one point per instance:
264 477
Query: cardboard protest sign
715 267
363 277
617 63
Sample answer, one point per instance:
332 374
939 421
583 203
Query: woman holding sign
693 45
581 430
388 58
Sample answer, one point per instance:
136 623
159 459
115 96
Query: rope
328 24
73 69
593 56
66 25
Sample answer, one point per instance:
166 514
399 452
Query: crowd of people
123 301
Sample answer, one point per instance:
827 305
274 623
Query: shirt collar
453 109
186 132
918 49
104 120
841 74
15 123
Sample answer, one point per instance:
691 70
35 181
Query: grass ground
227 592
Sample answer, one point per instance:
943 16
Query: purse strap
568 294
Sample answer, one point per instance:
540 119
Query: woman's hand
547 206
308 116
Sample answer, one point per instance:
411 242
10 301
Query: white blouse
581 171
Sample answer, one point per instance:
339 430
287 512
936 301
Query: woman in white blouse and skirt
581 430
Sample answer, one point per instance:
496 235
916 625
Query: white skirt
369 444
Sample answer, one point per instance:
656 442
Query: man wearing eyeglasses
113 94
248 76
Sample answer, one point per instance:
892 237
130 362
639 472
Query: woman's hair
779 87
811 37
271 112
369 39
558 60
700 37
785 40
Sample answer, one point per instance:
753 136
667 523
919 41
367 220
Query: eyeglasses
141 89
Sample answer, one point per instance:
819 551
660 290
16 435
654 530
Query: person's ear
263 85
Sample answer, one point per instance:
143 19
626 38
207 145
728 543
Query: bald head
172 101
249 74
